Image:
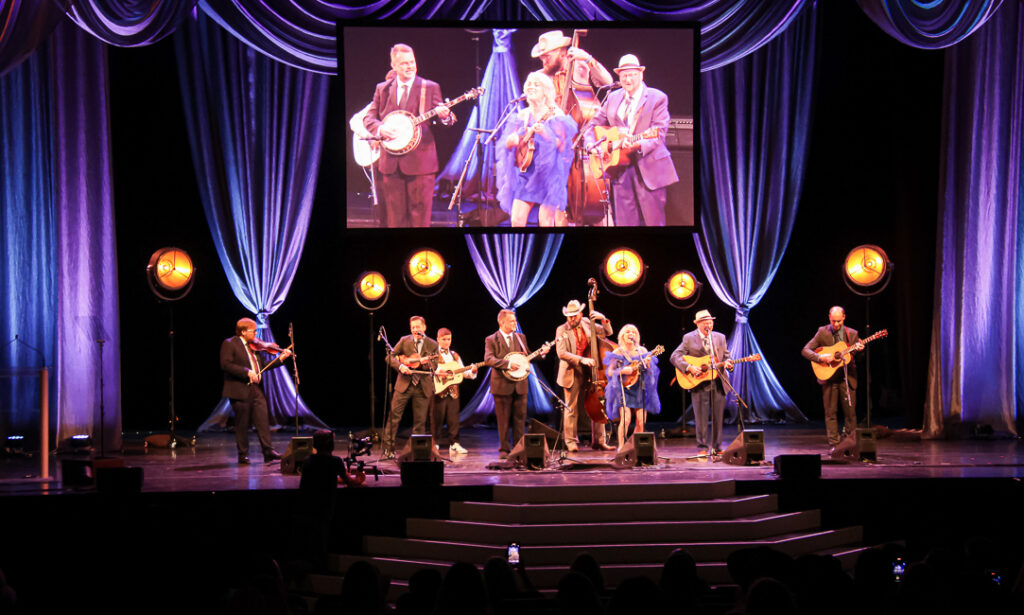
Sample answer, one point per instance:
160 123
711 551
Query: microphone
380 333
596 146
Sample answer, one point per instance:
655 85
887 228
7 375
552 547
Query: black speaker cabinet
531 452
746 449
857 446
798 467
679 205
640 450
420 447
551 435
299 449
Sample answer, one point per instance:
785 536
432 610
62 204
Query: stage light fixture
867 270
170 273
371 290
623 271
682 291
425 272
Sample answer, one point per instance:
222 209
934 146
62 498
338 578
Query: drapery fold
501 84
930 25
755 122
512 267
256 131
24 26
125 23
975 370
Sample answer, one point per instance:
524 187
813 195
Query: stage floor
212 466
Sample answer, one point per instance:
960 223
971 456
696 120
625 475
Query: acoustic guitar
840 355
611 155
443 381
706 372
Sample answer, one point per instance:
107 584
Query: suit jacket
652 159
495 350
565 346
234 362
423 158
694 347
406 347
824 337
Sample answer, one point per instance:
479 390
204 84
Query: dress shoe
243 460
601 446
387 454
457 448
572 448
503 455
271 456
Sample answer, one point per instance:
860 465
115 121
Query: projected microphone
615 85
597 146
520 99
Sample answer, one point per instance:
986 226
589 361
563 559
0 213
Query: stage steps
629 528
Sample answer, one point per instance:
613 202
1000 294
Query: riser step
795 544
729 508
631 492
754 527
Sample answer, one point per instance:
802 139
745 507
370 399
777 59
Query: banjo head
407 132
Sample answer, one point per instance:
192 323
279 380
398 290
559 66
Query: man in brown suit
509 395
574 340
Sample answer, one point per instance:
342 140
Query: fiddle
259 345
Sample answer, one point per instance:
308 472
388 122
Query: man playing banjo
408 176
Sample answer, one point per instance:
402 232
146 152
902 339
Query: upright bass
594 390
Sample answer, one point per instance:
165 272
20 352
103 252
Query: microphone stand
457 192
383 336
561 432
295 375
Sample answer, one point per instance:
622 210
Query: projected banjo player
408 162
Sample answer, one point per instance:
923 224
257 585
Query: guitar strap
423 96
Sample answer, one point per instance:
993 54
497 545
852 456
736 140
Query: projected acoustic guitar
706 372
611 155
405 127
840 355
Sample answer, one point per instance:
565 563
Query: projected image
527 127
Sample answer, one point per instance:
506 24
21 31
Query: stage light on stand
170 273
682 290
371 290
867 270
623 272
425 272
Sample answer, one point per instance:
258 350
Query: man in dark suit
241 366
639 189
411 385
509 395
408 179
708 397
835 390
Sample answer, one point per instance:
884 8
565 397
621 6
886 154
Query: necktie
402 91
419 351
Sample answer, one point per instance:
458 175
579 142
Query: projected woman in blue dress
632 382
534 156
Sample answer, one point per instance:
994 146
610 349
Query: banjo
406 127
519 364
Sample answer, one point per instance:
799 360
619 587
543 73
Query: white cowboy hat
629 61
703 315
548 41
573 308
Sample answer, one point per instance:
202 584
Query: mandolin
632 378
527 146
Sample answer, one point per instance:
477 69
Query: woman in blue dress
632 382
545 181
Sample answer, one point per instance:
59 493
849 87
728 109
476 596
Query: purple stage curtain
512 268
976 368
130 23
61 261
755 123
459 10
256 130
730 29
930 25
24 26
501 84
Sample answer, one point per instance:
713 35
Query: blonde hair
625 329
547 87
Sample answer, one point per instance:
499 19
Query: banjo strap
423 98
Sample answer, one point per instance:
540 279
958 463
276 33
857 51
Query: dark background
872 177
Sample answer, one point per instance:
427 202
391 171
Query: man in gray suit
708 397
574 339
639 189
411 384
835 390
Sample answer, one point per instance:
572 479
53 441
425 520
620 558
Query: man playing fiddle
242 377
575 337
411 385
639 189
